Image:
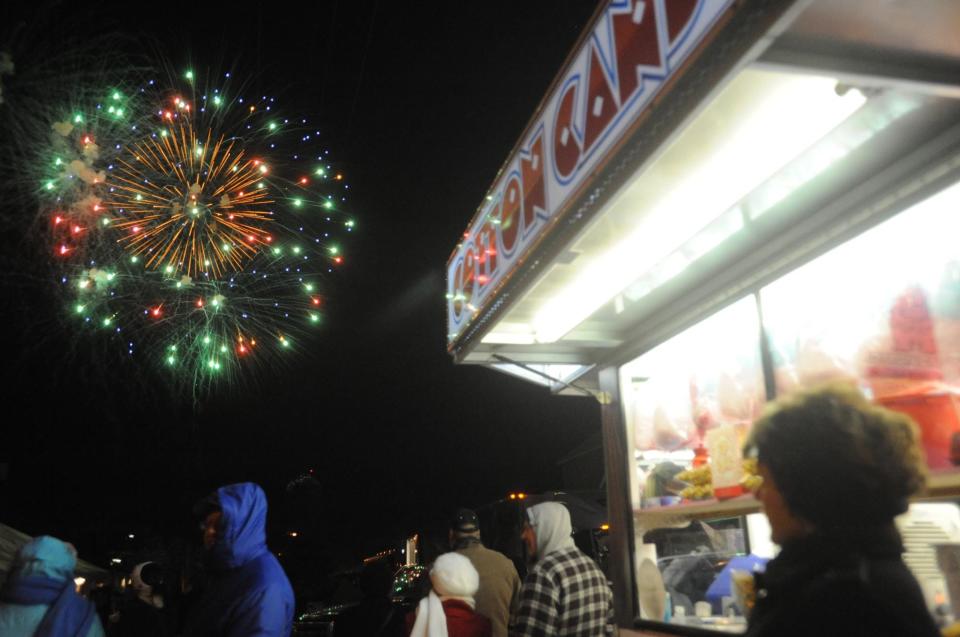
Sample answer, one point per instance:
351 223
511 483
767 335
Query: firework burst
206 212
194 228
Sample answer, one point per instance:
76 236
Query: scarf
431 620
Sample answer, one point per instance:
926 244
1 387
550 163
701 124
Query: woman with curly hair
836 471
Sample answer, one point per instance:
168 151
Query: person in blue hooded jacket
39 598
248 594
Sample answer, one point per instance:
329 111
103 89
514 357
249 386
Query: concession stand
716 203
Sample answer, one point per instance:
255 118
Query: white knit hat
453 575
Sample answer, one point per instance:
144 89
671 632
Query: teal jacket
48 557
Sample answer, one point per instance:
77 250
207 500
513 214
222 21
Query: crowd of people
476 592
836 470
246 593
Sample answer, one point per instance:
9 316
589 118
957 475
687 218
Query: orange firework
190 206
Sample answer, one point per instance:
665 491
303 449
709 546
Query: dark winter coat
848 583
139 619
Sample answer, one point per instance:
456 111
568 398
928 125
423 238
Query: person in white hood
565 593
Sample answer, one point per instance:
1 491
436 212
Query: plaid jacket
566 595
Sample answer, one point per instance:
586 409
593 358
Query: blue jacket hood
46 556
243 534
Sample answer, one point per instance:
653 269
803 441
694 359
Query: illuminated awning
734 162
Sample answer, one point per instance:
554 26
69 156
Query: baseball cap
465 521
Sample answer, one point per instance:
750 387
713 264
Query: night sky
420 102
